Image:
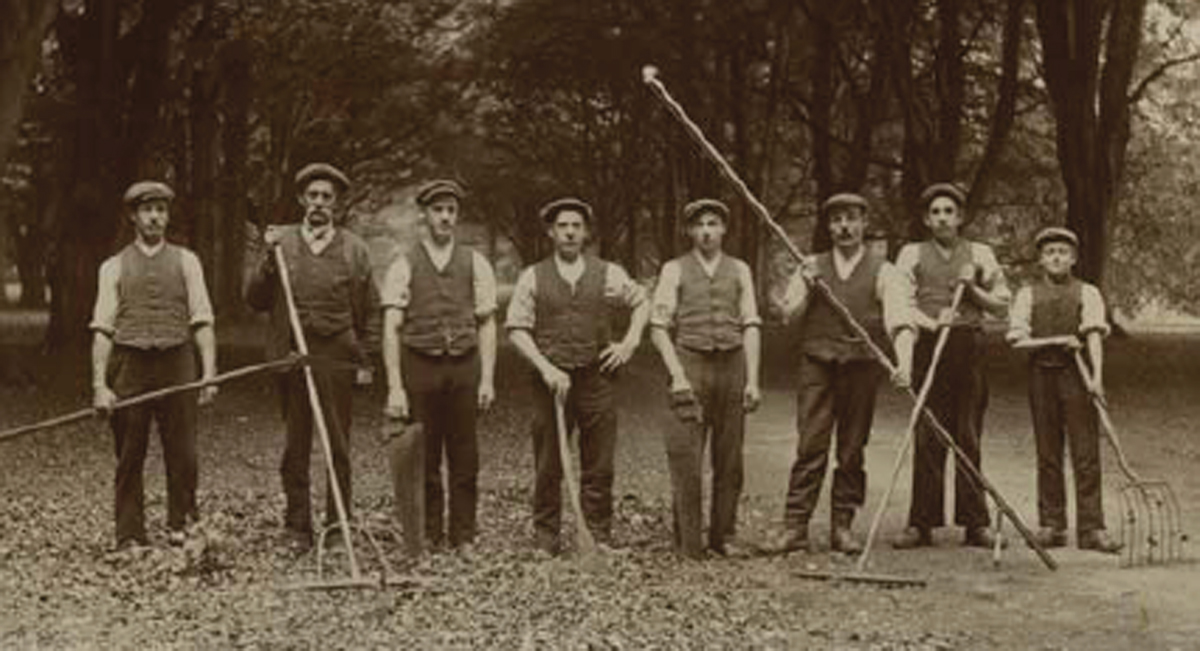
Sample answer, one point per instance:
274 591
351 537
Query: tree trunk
23 25
234 187
824 45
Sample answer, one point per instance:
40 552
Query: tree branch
1144 85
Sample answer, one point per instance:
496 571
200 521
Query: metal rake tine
1128 530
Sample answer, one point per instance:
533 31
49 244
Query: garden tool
406 452
1150 527
584 540
650 77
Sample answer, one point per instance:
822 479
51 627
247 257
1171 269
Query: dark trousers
442 393
958 399
335 387
590 407
1062 411
132 371
840 394
718 379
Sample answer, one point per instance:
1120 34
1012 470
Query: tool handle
1110 432
318 414
587 542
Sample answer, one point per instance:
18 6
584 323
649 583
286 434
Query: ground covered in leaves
63 586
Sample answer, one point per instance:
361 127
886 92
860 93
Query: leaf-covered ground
62 585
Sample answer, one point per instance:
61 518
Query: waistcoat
824 334
572 327
708 314
440 318
935 276
152 301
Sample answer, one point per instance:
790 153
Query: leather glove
686 406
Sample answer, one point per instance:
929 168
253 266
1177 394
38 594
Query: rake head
1150 525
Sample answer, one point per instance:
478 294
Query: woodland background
1076 112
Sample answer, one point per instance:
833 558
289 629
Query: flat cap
944 190
1055 234
321 171
439 188
146 191
550 211
702 206
844 199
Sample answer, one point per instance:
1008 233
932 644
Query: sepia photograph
599 324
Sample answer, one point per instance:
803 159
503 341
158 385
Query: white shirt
104 313
618 288
1092 316
397 284
317 239
666 293
891 289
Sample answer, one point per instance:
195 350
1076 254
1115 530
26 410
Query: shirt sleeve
396 292
1020 315
619 287
521 307
893 291
1093 317
795 295
993 274
104 313
666 296
484 285
748 307
199 306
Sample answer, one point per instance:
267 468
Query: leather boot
840 537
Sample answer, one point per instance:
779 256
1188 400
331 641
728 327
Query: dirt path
63 589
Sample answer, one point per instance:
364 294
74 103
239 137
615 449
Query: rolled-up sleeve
1093 316
521 307
396 291
484 281
666 296
993 274
200 310
892 288
1020 316
104 312
620 288
748 301
906 267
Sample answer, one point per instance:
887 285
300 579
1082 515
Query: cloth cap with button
1055 234
700 207
148 191
439 188
549 212
844 199
321 171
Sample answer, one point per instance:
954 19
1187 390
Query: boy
1049 319
707 298
959 393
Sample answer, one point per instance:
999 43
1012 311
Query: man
1049 318
707 298
330 273
958 398
839 376
439 349
559 319
151 304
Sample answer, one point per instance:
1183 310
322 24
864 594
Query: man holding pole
560 320
151 303
336 301
958 395
839 375
439 349
707 298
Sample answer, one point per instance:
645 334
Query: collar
844 266
150 250
316 234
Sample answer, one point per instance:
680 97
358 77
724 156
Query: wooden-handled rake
1150 524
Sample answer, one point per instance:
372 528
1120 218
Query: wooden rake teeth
1151 529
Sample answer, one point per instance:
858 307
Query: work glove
686 406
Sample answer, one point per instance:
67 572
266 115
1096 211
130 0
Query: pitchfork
1150 528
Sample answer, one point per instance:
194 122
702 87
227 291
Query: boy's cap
549 212
944 190
702 206
321 171
844 199
1055 234
147 191
439 188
